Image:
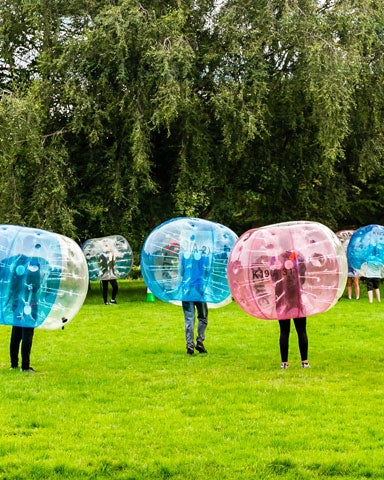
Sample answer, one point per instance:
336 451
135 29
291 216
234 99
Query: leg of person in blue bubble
189 321
301 329
23 336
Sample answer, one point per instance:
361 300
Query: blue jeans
189 320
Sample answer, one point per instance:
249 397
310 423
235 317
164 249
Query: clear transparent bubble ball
44 278
108 257
185 259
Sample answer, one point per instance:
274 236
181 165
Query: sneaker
30 370
284 365
200 347
106 303
305 365
190 351
113 301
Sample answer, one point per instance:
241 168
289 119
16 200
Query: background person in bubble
108 262
194 268
353 280
373 269
108 259
366 254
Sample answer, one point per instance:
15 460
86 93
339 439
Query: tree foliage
118 115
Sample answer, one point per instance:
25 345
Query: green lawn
116 397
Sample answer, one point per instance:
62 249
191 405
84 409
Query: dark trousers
301 329
189 321
115 289
24 336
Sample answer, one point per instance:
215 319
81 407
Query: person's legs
349 287
370 295
26 346
371 285
301 329
202 316
285 327
377 292
14 346
104 284
189 323
356 283
115 289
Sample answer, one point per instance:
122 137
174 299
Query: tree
246 113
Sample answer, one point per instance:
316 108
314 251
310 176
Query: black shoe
113 301
200 347
190 351
30 370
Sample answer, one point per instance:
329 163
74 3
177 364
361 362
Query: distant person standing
108 262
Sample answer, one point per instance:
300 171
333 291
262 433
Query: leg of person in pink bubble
301 329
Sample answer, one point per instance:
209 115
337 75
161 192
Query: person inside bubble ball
108 262
25 285
288 273
194 271
373 269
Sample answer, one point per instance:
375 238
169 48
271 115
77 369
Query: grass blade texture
115 396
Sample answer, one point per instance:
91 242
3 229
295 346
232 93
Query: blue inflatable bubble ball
108 257
366 251
185 259
44 278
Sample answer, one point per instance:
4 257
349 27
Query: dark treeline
118 115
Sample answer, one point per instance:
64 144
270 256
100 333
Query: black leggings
115 289
301 329
24 336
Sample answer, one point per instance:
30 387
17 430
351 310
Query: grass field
116 397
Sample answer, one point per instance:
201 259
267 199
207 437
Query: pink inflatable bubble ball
287 270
